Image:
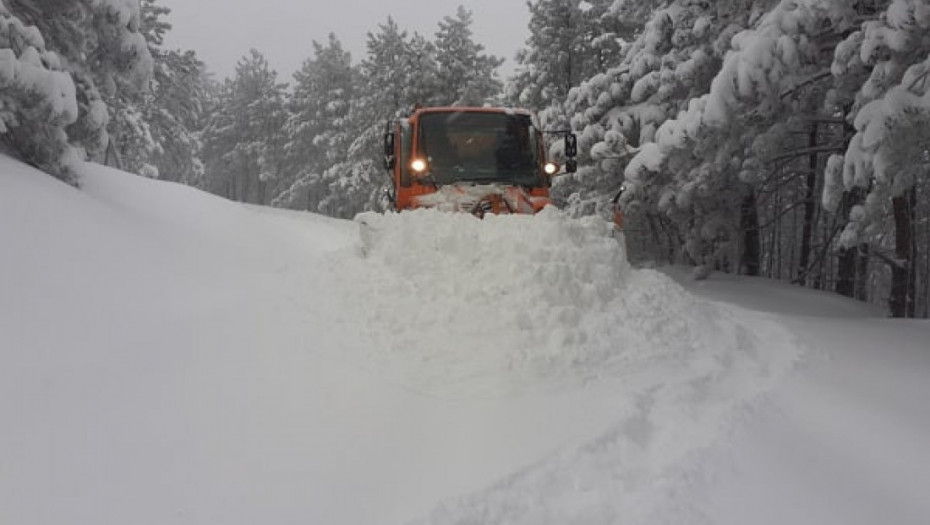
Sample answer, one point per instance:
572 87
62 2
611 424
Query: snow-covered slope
170 357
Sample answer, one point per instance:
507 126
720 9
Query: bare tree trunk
779 256
846 262
773 238
654 230
846 272
792 268
820 282
926 272
749 223
914 252
246 188
901 298
673 243
810 209
112 153
262 189
846 265
862 273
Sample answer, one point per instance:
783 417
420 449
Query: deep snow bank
514 301
463 307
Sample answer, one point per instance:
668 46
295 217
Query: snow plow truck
474 160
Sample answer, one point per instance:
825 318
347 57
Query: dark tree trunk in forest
810 209
262 189
749 223
569 74
654 230
846 272
901 300
847 263
913 260
925 273
245 187
862 273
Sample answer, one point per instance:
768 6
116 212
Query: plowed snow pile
511 302
501 307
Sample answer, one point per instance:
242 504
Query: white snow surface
169 357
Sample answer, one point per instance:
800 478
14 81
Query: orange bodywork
618 218
414 189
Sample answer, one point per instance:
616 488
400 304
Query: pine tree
618 111
396 70
316 129
37 101
394 77
875 182
175 112
569 41
243 139
99 44
153 132
465 76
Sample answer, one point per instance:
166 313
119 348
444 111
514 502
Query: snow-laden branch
755 72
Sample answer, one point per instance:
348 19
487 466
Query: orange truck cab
476 160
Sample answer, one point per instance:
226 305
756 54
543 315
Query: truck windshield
481 147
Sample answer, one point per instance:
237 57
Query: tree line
783 138
315 144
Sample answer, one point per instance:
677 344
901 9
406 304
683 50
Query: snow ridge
498 307
514 302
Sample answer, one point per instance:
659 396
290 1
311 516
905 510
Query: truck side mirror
571 145
571 166
620 192
389 159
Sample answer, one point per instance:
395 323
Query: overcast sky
221 31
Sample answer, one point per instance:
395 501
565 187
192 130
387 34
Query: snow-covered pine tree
618 111
175 112
316 131
172 108
132 142
630 16
397 73
465 75
153 131
243 138
421 68
705 165
99 44
390 73
569 41
37 100
886 161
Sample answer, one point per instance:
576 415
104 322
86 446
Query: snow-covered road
170 357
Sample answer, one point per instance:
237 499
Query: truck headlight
418 165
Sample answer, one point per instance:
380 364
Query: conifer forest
788 139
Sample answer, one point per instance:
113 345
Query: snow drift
513 301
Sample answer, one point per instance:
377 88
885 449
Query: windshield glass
480 147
